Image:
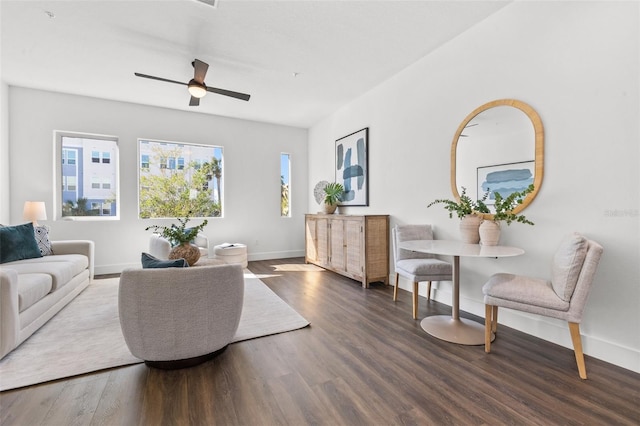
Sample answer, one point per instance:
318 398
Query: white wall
4 153
252 172
577 64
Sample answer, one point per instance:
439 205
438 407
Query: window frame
288 155
198 162
61 181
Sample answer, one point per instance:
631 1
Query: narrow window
144 161
95 156
285 185
106 158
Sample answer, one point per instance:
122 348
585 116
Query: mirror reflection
498 147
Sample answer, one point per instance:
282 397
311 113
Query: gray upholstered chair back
402 233
179 313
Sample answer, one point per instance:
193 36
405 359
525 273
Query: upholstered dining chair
417 267
563 297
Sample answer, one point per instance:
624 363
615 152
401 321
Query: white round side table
231 253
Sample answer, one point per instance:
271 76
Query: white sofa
32 291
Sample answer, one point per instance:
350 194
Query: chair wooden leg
494 319
574 329
395 288
488 315
428 291
415 300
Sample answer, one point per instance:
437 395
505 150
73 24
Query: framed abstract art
352 169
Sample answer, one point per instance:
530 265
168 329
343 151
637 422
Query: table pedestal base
462 331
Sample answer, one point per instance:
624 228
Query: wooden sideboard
356 246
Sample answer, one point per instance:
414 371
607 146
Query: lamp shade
34 211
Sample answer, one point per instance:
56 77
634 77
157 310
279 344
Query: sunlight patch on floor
262 275
296 267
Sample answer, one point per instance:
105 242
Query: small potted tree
504 206
332 196
180 238
469 212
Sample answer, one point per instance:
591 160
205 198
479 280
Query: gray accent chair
563 297
416 266
180 317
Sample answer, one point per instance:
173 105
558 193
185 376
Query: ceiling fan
197 87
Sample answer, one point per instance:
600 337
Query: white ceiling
339 49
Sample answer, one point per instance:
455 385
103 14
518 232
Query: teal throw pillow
18 242
149 261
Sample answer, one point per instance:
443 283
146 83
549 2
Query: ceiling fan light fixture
197 90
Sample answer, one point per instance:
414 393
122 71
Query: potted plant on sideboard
332 196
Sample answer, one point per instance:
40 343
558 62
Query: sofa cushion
32 288
80 262
61 272
42 239
149 261
18 242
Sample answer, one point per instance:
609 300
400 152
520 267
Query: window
71 183
69 156
86 176
176 179
285 185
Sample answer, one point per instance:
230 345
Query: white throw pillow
42 238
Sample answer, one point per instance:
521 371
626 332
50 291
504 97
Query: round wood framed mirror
498 147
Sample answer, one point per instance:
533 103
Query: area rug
85 336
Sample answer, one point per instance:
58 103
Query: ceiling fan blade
159 78
200 70
194 101
237 95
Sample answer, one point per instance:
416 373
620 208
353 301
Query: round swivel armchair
180 317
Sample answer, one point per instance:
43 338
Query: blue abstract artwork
505 179
351 168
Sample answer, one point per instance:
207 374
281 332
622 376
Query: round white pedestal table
453 328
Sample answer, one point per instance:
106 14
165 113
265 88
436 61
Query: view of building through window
178 179
88 175
285 185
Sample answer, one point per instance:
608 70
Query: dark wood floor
363 361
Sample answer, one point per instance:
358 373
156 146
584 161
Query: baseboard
267 255
548 329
